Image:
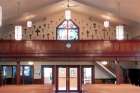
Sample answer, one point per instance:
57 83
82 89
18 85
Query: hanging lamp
119 28
106 24
29 23
0 16
68 12
18 28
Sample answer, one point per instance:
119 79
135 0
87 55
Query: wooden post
18 73
119 73
0 75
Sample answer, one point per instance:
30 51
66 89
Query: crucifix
37 32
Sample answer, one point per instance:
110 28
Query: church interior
69 46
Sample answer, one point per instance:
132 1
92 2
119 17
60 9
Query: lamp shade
120 32
18 32
67 14
106 24
29 23
0 16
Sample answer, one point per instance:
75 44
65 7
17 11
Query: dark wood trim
18 72
119 73
105 81
54 48
1 75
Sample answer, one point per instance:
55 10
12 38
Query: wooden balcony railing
128 48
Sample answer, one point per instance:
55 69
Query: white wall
101 74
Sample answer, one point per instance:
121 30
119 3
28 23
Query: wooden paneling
37 81
85 48
0 75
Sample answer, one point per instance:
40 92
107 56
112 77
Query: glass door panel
62 78
87 75
73 78
26 73
9 74
47 75
67 79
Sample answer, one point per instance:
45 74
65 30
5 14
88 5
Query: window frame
77 27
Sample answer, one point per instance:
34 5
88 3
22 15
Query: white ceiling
129 9
102 9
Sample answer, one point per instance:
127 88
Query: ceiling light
119 28
106 24
31 63
0 16
67 14
29 23
18 32
68 11
120 32
18 28
104 62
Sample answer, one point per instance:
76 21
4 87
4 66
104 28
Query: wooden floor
110 88
26 89
96 88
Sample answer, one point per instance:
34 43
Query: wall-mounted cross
37 32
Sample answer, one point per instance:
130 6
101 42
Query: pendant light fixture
106 24
29 23
18 28
18 32
0 16
120 32
68 12
119 28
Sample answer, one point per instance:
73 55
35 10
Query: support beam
0 75
119 73
18 73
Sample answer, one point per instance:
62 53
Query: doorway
48 74
67 79
8 74
26 73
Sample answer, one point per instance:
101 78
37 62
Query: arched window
67 30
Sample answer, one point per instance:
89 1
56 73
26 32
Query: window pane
14 71
62 34
67 31
73 34
7 72
87 75
62 78
27 71
73 79
47 75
